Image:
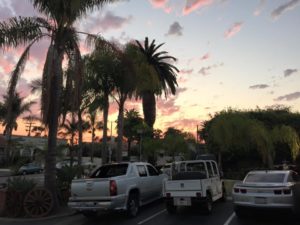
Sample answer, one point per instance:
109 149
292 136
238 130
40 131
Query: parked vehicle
267 189
30 168
120 186
193 183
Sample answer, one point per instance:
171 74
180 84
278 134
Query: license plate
260 200
182 201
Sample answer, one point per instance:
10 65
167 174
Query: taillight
244 191
236 190
113 188
277 192
287 191
168 195
198 194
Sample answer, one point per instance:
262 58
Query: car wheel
40 171
132 205
24 173
90 214
208 205
171 208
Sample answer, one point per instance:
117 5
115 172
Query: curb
5 219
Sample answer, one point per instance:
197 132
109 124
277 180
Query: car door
143 183
212 178
155 182
217 178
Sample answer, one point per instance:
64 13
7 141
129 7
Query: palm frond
36 85
19 31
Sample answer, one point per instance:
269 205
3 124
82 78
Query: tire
24 173
171 208
132 208
90 214
208 205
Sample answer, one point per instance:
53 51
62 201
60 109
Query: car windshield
265 177
110 171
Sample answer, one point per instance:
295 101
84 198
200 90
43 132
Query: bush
65 175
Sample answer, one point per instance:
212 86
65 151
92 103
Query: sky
241 54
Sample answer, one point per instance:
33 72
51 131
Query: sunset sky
231 53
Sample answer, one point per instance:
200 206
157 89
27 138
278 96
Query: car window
110 171
209 169
215 168
142 170
196 167
152 171
265 177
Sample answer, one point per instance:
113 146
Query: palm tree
165 74
57 25
70 128
93 125
132 122
125 81
18 107
99 66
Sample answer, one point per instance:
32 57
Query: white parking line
229 219
151 217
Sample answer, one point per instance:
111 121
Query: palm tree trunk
79 139
54 109
149 108
93 144
104 138
120 129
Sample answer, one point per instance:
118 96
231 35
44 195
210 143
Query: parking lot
155 214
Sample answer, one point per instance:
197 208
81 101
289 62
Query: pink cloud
185 124
167 107
205 57
233 30
192 5
162 4
186 71
158 3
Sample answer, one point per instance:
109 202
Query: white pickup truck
120 186
193 183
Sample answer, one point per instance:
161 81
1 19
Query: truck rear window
110 171
265 177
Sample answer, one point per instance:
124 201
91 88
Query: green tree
57 24
132 122
99 66
160 70
174 143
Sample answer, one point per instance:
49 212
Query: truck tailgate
90 188
183 185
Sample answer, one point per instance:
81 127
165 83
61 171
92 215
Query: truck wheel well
134 191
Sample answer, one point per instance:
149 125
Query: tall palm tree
99 66
18 107
57 25
166 75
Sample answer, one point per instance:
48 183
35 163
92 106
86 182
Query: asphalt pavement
155 214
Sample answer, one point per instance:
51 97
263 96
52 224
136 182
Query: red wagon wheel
38 202
13 203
